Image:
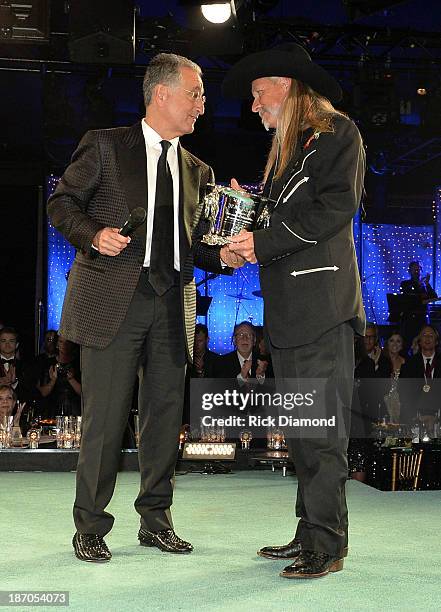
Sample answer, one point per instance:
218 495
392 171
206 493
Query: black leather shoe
312 564
91 547
166 540
288 551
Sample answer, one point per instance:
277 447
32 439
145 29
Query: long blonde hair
302 106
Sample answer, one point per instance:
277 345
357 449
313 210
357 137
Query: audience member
9 407
418 388
11 367
59 383
373 348
38 370
415 316
49 348
394 353
414 347
204 360
242 363
263 352
371 367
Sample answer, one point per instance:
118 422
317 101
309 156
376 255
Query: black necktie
10 361
161 275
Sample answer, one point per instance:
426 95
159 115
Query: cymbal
238 296
257 293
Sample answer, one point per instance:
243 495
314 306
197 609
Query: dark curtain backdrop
18 254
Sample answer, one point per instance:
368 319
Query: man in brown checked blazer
131 301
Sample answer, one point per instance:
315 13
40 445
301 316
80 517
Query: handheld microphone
136 218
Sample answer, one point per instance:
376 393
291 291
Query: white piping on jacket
298 272
297 236
305 179
295 174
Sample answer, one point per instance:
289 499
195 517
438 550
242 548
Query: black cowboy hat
286 60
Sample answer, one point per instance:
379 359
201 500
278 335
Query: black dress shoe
91 547
288 551
312 564
166 540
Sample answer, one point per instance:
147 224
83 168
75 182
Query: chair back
406 465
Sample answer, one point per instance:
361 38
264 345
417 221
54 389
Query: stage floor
393 563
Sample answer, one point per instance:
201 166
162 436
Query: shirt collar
152 137
242 359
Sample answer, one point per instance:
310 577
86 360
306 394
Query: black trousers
321 463
149 344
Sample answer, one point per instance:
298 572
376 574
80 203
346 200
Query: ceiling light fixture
219 12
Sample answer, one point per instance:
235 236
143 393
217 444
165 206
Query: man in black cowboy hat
309 276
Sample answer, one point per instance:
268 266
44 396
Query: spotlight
213 11
421 91
217 13
217 30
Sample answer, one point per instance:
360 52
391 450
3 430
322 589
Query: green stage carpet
394 558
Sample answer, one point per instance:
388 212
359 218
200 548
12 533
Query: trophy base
215 240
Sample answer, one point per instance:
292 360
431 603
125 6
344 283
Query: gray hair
164 69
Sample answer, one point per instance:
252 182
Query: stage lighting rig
357 9
24 22
220 11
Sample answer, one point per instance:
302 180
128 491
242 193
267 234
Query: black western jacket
308 267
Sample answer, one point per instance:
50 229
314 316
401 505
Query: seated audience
48 353
38 369
363 412
203 366
373 349
243 363
9 407
204 360
246 370
418 387
414 347
263 352
59 384
372 367
394 353
11 367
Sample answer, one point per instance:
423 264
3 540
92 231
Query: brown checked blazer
106 179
